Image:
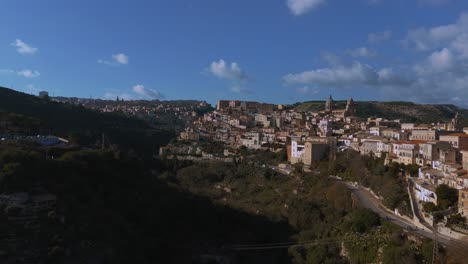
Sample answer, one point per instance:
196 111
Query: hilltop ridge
406 111
80 124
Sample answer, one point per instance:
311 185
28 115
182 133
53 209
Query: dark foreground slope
406 111
113 210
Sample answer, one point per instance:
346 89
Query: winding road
369 201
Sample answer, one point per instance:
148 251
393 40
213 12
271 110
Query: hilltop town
439 151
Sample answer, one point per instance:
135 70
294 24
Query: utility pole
435 249
103 142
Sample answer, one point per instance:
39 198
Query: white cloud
441 76
307 90
28 73
388 77
331 58
120 58
222 70
138 92
349 75
240 89
379 36
300 7
425 39
231 72
23 48
117 59
142 91
6 71
460 44
363 52
442 60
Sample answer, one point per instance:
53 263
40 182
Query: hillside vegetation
80 125
406 111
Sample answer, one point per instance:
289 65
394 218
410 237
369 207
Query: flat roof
426 185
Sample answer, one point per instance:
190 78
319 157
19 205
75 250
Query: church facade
349 110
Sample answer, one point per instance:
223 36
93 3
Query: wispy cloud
363 52
379 36
307 90
355 74
455 35
117 59
6 71
301 7
23 48
28 73
237 88
145 92
137 92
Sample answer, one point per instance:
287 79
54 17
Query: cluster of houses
440 150
140 108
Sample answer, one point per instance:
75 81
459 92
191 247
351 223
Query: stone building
458 140
348 111
456 123
423 134
463 201
329 105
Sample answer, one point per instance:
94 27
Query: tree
446 196
362 220
429 207
456 219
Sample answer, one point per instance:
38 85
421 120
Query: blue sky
280 51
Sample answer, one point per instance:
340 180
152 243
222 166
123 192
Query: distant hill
59 116
82 125
406 111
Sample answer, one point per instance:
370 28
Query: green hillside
82 125
58 116
406 111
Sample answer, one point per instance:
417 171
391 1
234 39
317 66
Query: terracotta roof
457 135
413 142
460 172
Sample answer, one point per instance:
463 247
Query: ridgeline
406 111
78 124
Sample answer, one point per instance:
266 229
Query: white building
425 191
